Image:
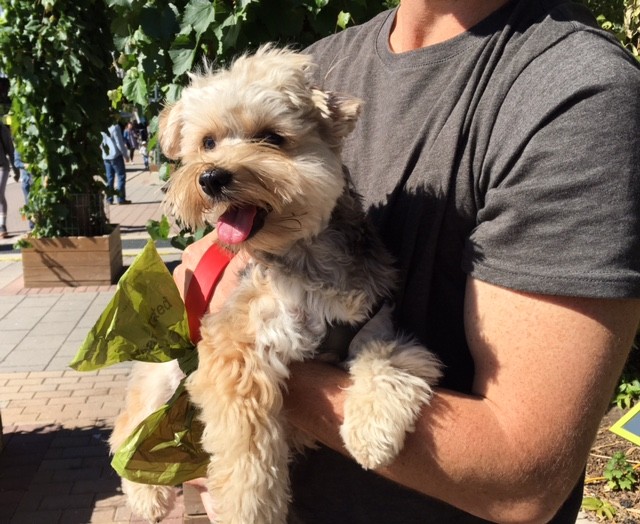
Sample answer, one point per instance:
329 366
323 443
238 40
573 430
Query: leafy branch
56 53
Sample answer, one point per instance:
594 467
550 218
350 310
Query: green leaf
119 3
199 14
134 87
164 172
182 54
159 230
181 242
228 32
591 503
343 19
603 509
173 93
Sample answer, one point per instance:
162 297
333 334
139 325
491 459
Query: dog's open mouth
237 224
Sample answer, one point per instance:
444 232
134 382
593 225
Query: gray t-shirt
510 153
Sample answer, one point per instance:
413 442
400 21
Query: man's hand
184 272
16 174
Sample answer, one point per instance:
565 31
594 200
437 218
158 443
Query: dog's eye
271 138
208 143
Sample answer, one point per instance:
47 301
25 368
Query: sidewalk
55 465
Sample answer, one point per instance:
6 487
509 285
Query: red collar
203 282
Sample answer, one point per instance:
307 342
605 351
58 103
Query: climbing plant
159 41
56 54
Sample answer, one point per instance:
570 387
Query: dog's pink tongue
234 225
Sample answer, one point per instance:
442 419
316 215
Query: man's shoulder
566 51
566 25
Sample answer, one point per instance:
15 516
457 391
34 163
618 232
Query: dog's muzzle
214 180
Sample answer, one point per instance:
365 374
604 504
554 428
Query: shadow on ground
53 473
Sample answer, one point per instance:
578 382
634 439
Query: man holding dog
503 137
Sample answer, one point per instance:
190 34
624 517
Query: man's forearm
459 453
514 450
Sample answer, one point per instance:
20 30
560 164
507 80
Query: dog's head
259 150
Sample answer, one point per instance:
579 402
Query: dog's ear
339 112
169 130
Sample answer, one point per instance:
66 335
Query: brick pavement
55 465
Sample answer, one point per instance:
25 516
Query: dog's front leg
238 390
150 386
391 380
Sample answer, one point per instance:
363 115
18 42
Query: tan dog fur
259 135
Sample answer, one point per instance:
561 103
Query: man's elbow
538 506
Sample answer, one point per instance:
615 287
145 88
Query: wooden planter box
73 261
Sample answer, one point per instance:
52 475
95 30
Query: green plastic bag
145 320
165 448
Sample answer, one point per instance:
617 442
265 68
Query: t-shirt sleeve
560 185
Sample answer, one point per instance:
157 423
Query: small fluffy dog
259 148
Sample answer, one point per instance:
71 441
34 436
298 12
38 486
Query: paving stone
13 336
76 474
99 486
36 517
53 328
59 437
39 387
61 463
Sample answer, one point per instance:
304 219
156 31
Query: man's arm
511 452
119 140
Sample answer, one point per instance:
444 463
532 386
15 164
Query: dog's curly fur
260 146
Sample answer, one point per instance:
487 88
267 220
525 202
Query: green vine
622 19
160 41
56 54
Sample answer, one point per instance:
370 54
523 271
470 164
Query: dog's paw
152 503
375 424
381 406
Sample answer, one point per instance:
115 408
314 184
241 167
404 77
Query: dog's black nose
214 180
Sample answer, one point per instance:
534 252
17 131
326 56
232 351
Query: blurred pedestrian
141 130
130 140
6 163
145 155
25 178
114 154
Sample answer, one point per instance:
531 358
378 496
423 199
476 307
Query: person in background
7 163
145 155
114 155
498 155
24 178
130 139
141 130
